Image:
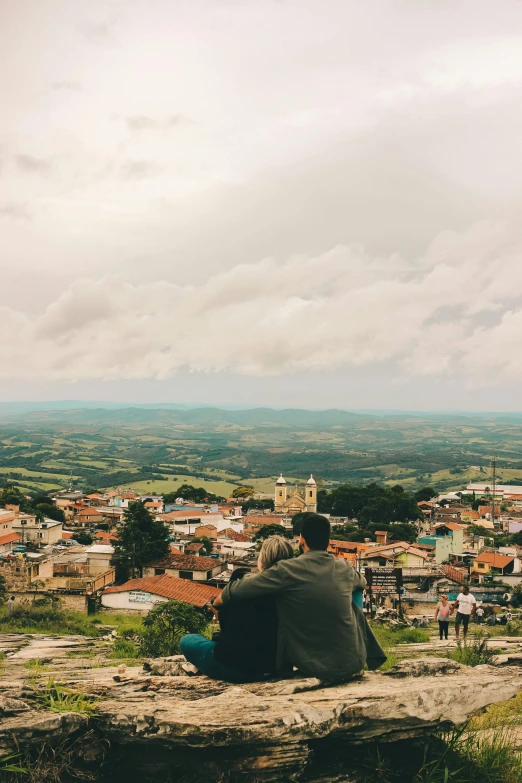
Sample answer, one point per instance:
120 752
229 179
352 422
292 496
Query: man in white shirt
465 606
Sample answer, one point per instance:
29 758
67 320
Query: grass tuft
58 698
474 652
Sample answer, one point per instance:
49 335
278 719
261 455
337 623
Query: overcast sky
284 202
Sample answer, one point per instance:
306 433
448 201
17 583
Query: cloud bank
458 305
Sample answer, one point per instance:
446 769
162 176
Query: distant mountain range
251 414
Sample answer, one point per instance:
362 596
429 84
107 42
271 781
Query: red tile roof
494 559
8 538
185 563
194 547
169 587
350 546
102 535
449 525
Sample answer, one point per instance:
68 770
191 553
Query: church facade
305 500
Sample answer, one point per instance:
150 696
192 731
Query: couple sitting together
297 613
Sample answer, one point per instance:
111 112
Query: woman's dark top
248 637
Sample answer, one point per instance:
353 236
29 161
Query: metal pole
494 465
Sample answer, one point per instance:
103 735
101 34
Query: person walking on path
466 607
442 616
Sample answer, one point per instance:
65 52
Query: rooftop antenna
70 480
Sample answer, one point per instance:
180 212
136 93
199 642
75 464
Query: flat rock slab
271 724
266 728
40 646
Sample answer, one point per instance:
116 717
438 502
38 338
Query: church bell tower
280 494
311 494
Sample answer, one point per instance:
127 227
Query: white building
227 546
143 594
99 558
41 533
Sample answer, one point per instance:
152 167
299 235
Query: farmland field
156 449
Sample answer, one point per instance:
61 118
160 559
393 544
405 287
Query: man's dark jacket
321 632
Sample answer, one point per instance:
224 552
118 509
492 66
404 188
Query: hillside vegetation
156 449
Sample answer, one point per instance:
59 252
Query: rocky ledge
266 727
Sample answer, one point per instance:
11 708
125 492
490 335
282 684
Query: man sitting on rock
321 632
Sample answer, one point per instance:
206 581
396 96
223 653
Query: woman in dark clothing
245 647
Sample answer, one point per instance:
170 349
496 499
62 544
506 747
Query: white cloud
308 313
160 149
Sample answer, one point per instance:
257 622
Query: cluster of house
447 550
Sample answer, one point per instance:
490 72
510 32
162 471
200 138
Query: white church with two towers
298 501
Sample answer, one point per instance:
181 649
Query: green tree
207 544
243 492
141 537
166 623
35 585
372 503
426 493
84 538
265 531
12 495
194 494
48 510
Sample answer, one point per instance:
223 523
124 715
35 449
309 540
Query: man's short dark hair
315 530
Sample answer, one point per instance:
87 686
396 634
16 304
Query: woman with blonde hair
245 649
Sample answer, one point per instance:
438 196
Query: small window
280 493
311 494
186 575
159 571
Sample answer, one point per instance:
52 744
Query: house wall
98 564
18 574
6 524
128 601
40 535
75 603
197 576
408 560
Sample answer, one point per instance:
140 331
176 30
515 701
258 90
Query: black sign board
388 579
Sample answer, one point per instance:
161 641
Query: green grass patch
124 648
473 652
123 623
35 666
58 698
221 488
390 637
500 714
27 618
